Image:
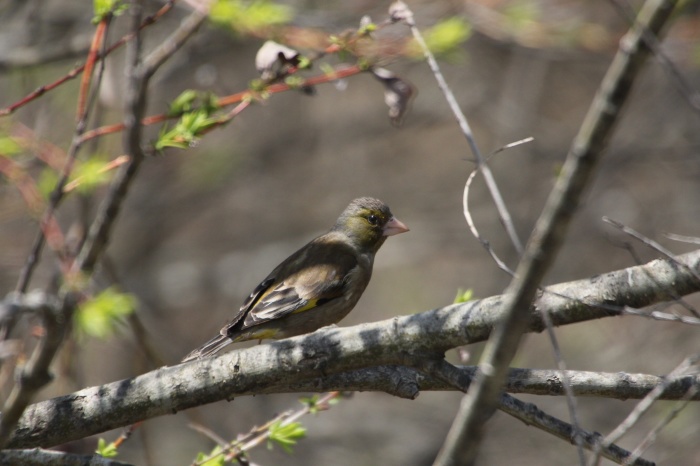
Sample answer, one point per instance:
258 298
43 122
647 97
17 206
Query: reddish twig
92 58
80 68
230 100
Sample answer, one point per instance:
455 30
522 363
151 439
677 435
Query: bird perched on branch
316 286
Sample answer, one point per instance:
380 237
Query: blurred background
201 227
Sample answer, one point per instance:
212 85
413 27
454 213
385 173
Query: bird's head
368 222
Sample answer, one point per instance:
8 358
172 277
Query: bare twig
400 12
683 238
529 413
646 241
570 398
80 68
643 406
661 316
463 440
692 96
467 212
653 433
661 250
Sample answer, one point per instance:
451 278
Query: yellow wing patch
310 305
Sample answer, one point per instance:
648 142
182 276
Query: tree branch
462 443
309 362
39 457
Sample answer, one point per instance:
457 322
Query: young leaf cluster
197 112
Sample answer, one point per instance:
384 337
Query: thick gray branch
39 457
321 355
408 382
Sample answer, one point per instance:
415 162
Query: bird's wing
313 276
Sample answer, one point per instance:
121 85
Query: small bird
316 286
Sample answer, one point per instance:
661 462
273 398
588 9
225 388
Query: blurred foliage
521 14
87 176
286 435
444 39
9 146
252 16
103 8
91 174
97 316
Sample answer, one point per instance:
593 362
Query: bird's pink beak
393 227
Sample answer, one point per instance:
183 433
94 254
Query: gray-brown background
201 227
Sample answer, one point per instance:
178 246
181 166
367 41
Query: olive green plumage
316 286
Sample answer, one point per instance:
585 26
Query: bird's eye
372 219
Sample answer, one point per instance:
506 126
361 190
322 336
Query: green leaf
286 435
103 8
190 100
188 130
9 146
249 16
183 103
445 37
97 316
105 450
91 174
216 457
464 295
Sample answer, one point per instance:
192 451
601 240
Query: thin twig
402 12
467 212
57 321
643 406
648 242
683 238
570 397
661 250
58 192
462 443
75 72
653 433
661 316
528 413
692 96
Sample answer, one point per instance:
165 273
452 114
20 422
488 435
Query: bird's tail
212 346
